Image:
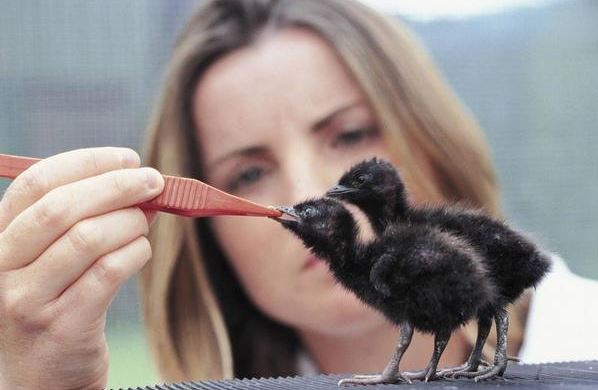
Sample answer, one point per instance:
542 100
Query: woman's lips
312 261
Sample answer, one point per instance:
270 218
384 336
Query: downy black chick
418 276
514 261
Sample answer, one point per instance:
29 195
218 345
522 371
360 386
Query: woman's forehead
287 78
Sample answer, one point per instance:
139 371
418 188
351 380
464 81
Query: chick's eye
360 179
309 212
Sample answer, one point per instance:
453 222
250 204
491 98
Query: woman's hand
70 236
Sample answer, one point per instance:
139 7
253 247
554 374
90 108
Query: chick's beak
289 216
339 190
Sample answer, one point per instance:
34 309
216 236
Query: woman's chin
342 314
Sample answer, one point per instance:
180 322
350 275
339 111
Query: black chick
513 260
418 276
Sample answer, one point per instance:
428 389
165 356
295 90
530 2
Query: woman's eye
349 138
245 178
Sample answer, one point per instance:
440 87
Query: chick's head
370 180
322 224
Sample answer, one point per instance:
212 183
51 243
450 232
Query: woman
271 100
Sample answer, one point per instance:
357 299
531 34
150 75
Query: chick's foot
374 379
466 367
425 375
486 373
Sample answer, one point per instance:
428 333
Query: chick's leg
500 358
391 373
440 341
484 325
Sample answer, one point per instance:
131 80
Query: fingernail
153 178
130 158
152 218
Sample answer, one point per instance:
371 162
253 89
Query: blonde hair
187 315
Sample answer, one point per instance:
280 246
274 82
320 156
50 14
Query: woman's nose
309 178
305 187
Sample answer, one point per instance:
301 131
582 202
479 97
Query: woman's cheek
259 251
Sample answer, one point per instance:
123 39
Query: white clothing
562 322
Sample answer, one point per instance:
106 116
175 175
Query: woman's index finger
59 170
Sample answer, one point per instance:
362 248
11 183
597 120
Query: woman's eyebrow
321 123
243 152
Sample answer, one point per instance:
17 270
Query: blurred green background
78 74
130 362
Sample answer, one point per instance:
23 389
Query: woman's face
278 122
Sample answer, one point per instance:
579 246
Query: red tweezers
181 195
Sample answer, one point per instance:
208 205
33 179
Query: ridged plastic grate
564 375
